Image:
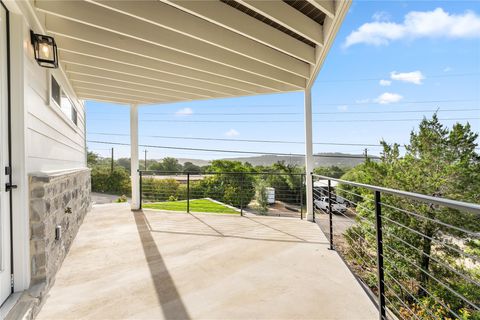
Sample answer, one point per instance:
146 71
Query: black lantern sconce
45 50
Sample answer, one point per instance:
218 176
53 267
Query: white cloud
415 77
342 108
447 69
362 101
381 16
387 97
232 133
417 24
184 112
385 83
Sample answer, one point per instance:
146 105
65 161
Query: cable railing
417 255
264 193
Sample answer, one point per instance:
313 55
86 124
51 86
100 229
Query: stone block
37 192
50 196
37 209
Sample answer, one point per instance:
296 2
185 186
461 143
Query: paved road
341 221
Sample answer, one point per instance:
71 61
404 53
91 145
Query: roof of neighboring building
324 183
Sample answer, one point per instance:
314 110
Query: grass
196 205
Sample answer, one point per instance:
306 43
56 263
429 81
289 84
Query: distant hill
321 160
197 162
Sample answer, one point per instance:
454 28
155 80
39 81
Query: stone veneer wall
63 199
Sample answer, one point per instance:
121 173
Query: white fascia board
331 27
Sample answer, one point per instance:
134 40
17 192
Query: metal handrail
454 204
207 173
289 195
381 243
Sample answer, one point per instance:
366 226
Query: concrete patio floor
159 265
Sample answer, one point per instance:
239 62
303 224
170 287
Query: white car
322 204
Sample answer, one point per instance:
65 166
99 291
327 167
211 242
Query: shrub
160 189
123 198
197 190
261 195
235 190
116 182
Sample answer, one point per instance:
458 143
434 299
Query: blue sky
389 57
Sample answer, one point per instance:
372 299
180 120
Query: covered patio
154 265
131 263
157 52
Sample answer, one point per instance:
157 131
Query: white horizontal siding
53 141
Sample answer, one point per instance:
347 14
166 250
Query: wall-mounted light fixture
45 50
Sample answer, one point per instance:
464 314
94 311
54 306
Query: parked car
322 203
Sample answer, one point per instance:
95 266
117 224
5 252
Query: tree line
118 181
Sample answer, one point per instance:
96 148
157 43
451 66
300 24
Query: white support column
308 152
134 157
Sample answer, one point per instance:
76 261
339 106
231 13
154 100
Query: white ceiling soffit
150 52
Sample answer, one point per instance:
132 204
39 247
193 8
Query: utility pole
145 159
111 165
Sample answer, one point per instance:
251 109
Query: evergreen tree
439 162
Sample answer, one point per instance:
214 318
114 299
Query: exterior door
5 216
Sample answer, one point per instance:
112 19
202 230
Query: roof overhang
152 52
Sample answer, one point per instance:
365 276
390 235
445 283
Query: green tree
156 166
124 162
438 161
92 159
287 182
167 164
332 171
105 181
150 164
191 168
171 165
231 182
261 195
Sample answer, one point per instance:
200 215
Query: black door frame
9 140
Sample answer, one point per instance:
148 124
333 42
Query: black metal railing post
330 215
381 277
302 183
241 194
141 189
188 192
313 198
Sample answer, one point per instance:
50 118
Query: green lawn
197 205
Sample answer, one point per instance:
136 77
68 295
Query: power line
98 149
229 151
468 74
300 121
338 103
245 140
315 113
242 140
